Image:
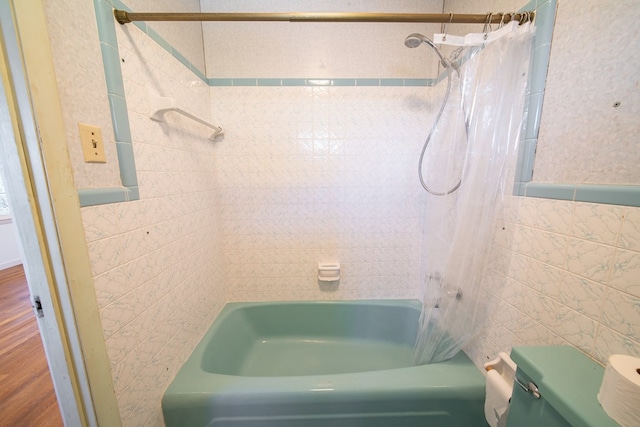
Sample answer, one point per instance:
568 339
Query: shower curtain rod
124 17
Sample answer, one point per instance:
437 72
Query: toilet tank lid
568 380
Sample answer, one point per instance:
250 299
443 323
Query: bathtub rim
192 380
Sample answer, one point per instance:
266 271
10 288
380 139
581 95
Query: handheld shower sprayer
412 41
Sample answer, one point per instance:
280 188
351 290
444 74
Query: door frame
47 214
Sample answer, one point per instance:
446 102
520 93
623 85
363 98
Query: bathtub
297 364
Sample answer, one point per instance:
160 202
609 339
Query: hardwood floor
27 397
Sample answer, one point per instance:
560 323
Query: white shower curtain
488 99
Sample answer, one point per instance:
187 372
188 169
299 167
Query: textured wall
157 261
573 278
71 25
310 174
185 37
564 272
307 174
282 49
584 137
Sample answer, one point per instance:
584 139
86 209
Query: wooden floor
26 391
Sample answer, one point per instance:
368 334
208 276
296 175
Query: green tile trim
391 82
550 191
519 188
367 82
420 82
220 82
534 113
269 82
545 20
245 82
120 118
133 193
526 157
294 82
533 102
102 196
128 174
112 71
319 82
343 82
540 65
627 195
198 73
118 108
182 59
104 18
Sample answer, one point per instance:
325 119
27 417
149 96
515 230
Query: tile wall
318 49
307 174
310 174
71 25
602 85
568 273
157 261
185 37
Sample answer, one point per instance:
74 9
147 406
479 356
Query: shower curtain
475 142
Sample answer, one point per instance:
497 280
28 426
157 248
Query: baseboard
9 264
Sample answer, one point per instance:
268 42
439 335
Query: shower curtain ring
501 24
444 27
523 18
487 25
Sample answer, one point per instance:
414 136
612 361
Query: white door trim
46 210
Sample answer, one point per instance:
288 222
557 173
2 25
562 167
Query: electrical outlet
92 143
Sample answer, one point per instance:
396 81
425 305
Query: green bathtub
345 363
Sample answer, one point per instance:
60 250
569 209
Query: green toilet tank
567 382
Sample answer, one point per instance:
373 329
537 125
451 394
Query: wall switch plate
92 143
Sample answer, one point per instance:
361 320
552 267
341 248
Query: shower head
414 40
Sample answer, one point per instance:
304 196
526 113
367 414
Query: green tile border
628 195
546 191
545 21
294 82
228 81
320 81
118 105
102 196
119 116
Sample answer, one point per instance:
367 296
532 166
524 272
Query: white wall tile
339 190
157 259
584 138
622 314
630 232
264 50
590 260
578 330
626 272
72 30
590 301
583 295
598 223
610 342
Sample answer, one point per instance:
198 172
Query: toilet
556 386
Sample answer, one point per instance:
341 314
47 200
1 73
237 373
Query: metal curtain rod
124 17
